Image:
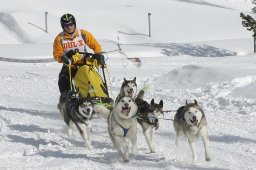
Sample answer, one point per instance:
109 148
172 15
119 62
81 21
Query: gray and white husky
190 121
122 126
128 88
77 114
148 115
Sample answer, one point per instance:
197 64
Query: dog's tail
142 92
102 110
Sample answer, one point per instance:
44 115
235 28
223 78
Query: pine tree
250 23
254 8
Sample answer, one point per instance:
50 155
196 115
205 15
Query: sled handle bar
85 53
100 59
88 55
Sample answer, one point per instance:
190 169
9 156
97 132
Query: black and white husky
190 121
77 114
128 88
148 117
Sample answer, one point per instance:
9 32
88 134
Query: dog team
129 110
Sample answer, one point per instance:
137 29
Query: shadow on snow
32 112
231 139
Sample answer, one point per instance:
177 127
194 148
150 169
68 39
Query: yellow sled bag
89 82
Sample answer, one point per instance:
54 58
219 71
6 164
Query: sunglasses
68 25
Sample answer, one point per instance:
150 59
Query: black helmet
66 18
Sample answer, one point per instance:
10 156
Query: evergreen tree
250 23
254 8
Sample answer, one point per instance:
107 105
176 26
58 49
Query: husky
77 114
128 88
148 117
122 126
190 121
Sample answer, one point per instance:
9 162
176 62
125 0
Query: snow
198 50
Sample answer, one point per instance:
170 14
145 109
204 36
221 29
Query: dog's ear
134 79
152 102
186 102
80 95
195 102
125 79
77 93
161 103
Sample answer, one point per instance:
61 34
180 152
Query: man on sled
79 66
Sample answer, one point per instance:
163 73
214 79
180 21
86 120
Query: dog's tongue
195 122
126 111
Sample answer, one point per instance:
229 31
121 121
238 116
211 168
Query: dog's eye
129 100
123 101
189 112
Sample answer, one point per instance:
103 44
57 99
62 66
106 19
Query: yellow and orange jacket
90 41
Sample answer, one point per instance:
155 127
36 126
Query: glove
99 57
70 53
76 57
65 60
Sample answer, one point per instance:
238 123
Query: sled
90 80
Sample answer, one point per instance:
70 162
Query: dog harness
124 129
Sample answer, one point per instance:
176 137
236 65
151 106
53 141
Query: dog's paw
70 133
195 158
152 148
208 159
152 151
126 159
89 148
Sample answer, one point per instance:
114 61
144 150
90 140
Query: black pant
64 80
